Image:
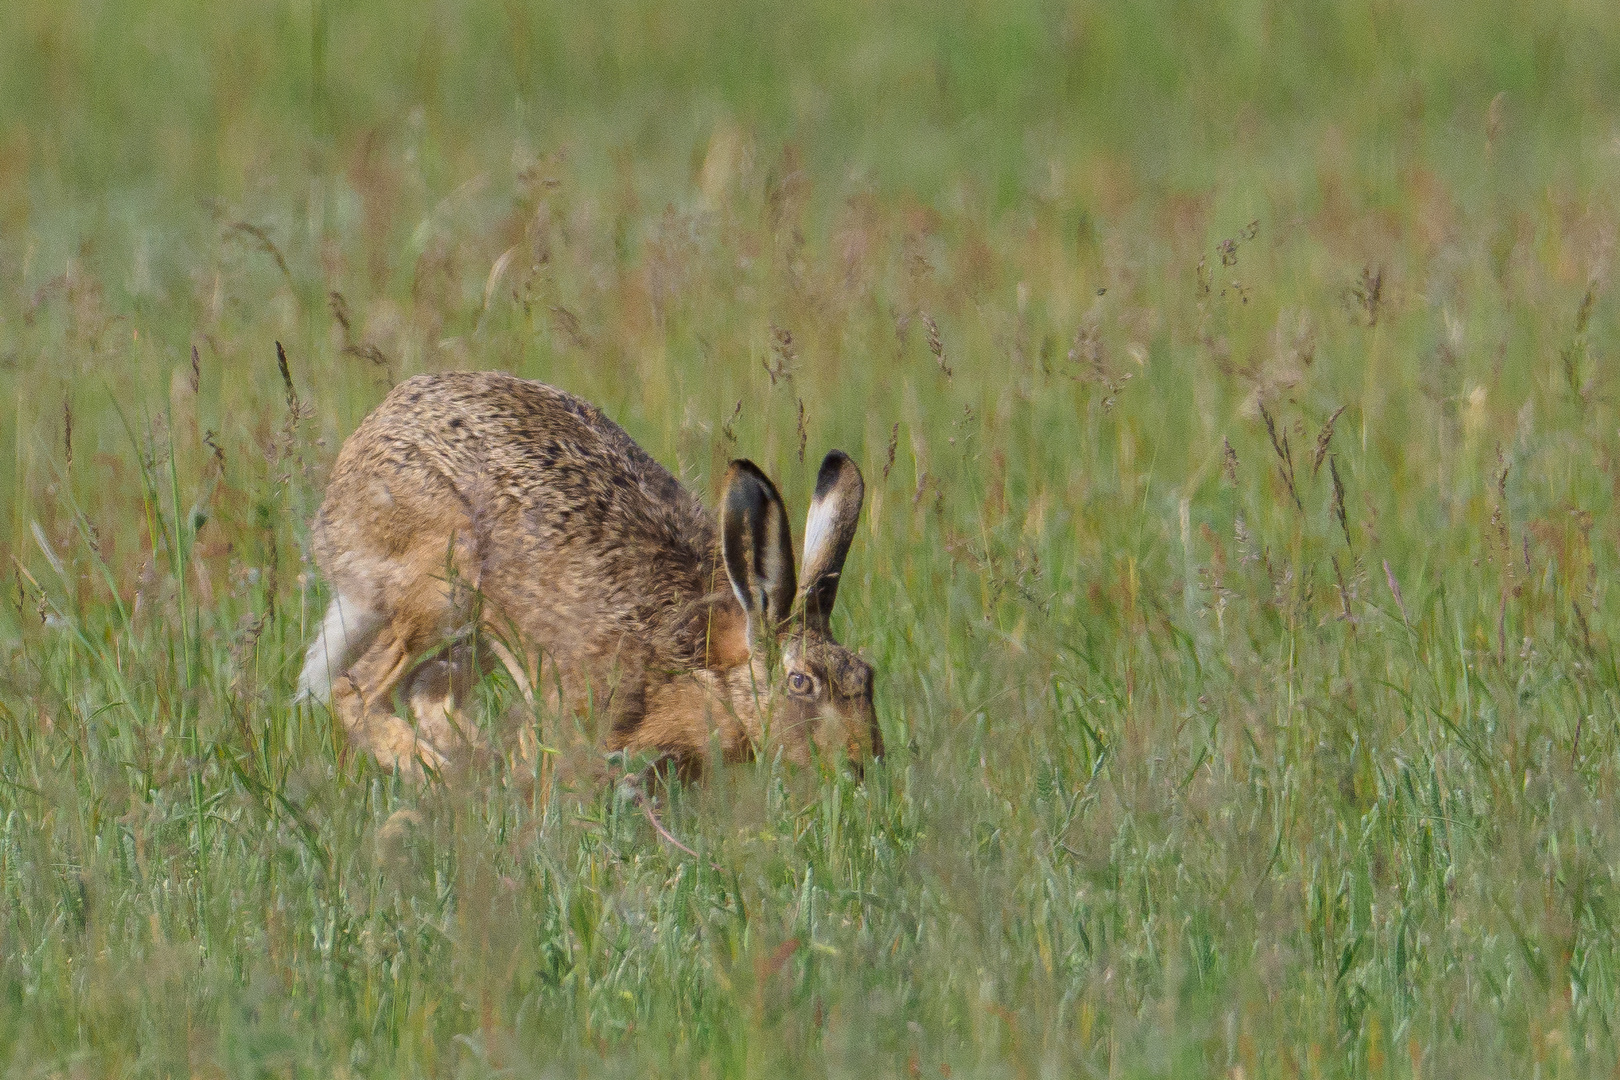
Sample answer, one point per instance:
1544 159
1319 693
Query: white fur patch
818 529
347 629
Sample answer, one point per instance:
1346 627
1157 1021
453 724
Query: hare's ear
758 547
828 532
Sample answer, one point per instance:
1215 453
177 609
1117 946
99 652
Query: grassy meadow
1236 391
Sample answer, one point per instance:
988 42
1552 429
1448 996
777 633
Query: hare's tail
347 629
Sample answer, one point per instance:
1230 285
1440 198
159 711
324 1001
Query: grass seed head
936 346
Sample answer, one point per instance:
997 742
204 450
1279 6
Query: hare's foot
438 696
393 742
361 698
396 744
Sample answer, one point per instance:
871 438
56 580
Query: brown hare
481 508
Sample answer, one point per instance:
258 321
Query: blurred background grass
1232 733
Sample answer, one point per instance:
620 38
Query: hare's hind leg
363 700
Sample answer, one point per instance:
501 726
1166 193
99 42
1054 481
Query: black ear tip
833 466
835 460
747 481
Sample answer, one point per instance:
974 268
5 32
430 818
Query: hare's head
820 693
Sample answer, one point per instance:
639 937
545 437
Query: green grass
1199 765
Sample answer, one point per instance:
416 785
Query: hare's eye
800 683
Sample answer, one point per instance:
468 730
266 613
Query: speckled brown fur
479 503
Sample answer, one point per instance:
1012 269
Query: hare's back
539 472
